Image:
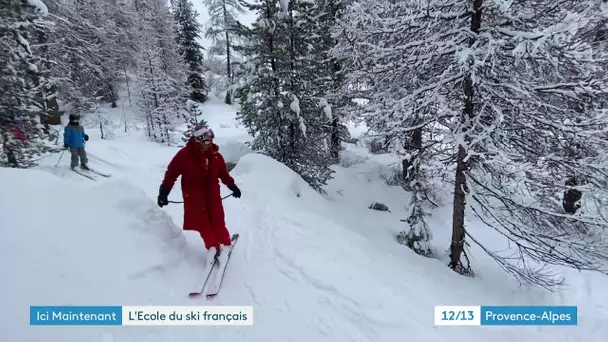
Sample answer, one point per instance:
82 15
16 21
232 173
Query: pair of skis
84 173
222 263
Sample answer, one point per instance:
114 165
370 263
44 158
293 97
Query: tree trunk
414 147
458 231
335 123
335 139
101 130
112 95
228 99
460 186
128 87
276 88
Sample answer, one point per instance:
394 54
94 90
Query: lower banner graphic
141 315
506 315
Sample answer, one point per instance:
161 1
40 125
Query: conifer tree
279 103
161 71
220 28
509 92
331 76
188 31
123 13
85 54
193 117
21 135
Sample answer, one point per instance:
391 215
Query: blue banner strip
529 315
75 315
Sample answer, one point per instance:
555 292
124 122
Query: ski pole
60 156
223 198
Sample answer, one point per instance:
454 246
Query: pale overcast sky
203 16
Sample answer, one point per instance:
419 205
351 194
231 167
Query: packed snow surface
313 267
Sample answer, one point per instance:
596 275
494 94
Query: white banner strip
187 315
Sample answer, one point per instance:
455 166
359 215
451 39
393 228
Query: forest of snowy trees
61 56
503 101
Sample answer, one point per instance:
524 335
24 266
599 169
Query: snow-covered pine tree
305 77
188 33
220 27
68 53
40 47
279 106
149 78
84 57
21 134
98 14
330 77
514 85
260 96
215 75
371 44
193 116
539 95
418 235
160 69
122 13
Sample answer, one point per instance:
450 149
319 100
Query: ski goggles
203 139
204 134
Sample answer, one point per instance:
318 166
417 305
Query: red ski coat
203 209
18 133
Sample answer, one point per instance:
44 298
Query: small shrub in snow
392 176
348 161
376 146
379 206
100 118
418 236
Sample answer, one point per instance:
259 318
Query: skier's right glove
162 197
66 146
236 192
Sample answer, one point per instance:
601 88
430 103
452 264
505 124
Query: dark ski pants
76 153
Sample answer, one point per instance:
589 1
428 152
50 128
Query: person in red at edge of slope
201 165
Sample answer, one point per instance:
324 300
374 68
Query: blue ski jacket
74 136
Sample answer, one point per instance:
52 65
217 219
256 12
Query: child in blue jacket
74 138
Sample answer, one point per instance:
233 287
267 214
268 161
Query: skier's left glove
86 137
236 192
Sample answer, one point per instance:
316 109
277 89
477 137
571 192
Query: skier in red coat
201 165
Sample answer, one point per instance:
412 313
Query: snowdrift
63 243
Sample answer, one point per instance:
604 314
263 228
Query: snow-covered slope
314 267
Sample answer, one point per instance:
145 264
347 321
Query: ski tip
210 297
194 295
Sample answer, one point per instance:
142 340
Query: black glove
162 197
66 146
86 137
236 192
